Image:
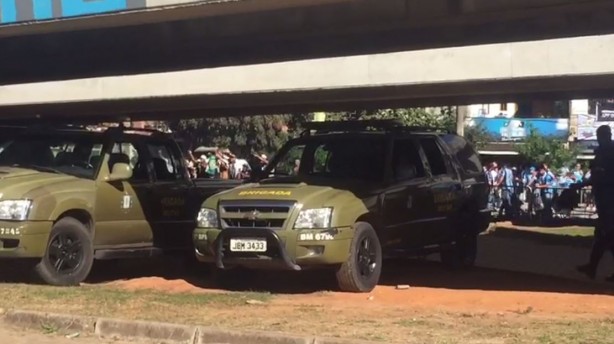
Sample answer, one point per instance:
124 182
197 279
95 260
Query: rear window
464 152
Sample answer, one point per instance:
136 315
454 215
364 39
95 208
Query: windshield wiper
38 168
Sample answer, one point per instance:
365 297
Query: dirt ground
514 273
524 290
431 287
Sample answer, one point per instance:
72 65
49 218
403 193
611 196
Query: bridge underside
233 33
560 68
177 107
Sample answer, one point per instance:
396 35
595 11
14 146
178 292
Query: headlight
207 218
15 209
314 218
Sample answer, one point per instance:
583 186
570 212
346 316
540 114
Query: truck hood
304 190
21 182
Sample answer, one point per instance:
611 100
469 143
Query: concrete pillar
576 107
461 115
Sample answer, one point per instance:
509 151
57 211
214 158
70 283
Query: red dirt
492 290
453 300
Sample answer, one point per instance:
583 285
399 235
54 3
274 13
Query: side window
164 164
320 159
128 153
96 155
288 164
406 160
435 156
465 153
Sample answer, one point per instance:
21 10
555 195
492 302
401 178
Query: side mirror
121 172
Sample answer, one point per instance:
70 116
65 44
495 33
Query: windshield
77 156
333 157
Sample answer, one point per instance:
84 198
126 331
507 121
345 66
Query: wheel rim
65 253
367 257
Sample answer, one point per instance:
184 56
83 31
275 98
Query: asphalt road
18 336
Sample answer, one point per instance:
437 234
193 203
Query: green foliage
267 133
478 136
540 149
243 135
441 118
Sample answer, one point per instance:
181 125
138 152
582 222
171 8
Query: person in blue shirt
578 173
507 191
566 179
528 176
546 182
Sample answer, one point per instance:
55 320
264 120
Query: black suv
345 195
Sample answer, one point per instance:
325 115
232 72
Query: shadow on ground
416 273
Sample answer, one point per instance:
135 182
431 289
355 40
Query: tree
243 135
540 149
478 136
444 117
267 133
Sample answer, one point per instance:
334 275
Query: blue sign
516 129
12 11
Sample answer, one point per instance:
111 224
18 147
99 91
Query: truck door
444 187
121 206
406 197
172 200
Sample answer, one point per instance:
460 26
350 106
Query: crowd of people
546 192
223 164
535 189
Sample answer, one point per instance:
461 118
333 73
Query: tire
361 272
69 255
463 252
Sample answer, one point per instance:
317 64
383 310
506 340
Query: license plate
248 245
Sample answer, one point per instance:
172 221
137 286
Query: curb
117 328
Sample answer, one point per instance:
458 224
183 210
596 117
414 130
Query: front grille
265 209
239 223
255 214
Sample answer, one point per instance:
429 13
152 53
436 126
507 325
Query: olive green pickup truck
345 196
70 195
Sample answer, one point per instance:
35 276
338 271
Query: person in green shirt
212 167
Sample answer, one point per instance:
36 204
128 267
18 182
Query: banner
605 110
587 127
516 129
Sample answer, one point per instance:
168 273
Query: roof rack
387 125
44 127
121 129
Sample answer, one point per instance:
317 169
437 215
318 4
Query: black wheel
69 256
361 272
465 230
462 254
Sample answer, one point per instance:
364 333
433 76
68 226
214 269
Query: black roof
79 129
366 126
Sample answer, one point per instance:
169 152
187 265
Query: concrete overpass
148 36
567 67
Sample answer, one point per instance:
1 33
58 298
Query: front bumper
286 249
24 239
